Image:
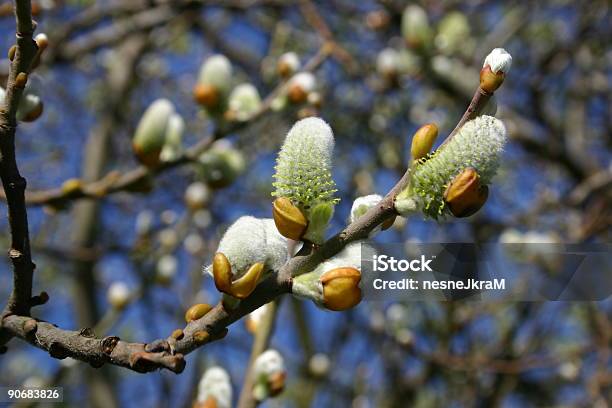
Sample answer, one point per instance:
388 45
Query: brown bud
206 95
244 286
276 383
296 93
42 41
40 299
489 80
377 19
36 8
72 187
148 158
197 311
284 69
341 288
423 140
35 113
21 80
11 52
177 334
388 223
289 220
465 195
201 336
222 272
210 402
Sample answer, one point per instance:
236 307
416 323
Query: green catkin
303 167
478 144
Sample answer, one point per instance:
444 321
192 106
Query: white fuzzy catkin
415 25
41 40
250 240
217 71
174 138
197 194
350 257
27 104
118 294
216 383
244 101
151 131
305 80
144 222
388 62
362 204
268 363
499 60
478 144
303 167
291 60
167 266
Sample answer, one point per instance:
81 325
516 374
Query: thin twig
115 181
263 335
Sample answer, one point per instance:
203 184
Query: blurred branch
263 335
133 17
115 181
315 20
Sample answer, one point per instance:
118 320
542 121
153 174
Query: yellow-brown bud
289 220
377 19
200 336
341 288
244 286
206 95
210 402
296 93
177 334
240 288
284 69
150 158
21 80
489 80
465 195
222 272
196 311
276 383
72 186
423 140
11 52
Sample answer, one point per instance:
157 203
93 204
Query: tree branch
85 347
213 325
13 183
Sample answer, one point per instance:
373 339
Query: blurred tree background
153 231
